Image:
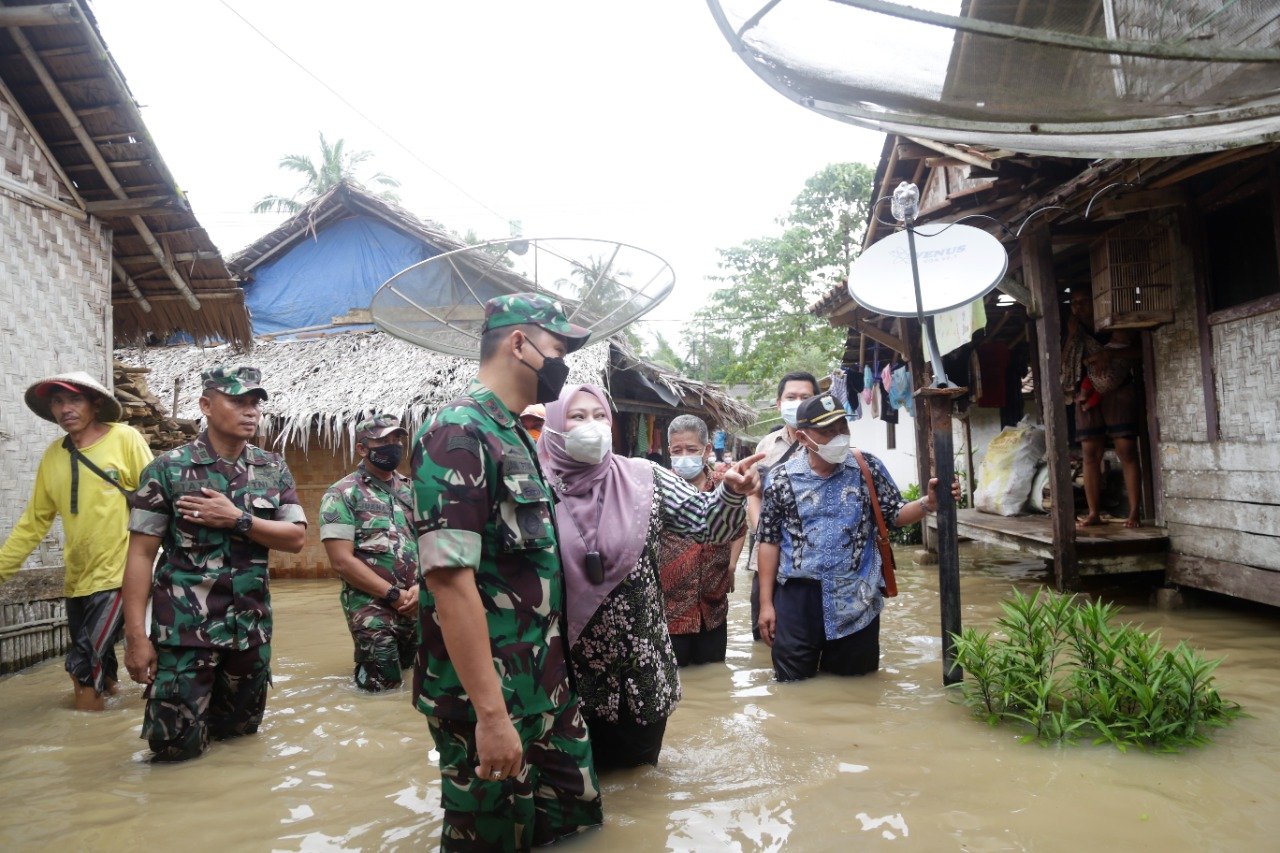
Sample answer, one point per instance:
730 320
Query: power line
376 126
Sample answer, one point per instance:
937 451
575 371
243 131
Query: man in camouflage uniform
365 524
217 505
491 673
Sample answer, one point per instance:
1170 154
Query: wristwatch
244 522
392 596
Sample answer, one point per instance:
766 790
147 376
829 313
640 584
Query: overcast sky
626 121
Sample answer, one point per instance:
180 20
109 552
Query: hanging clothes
900 390
886 376
888 413
853 390
956 327
641 446
868 385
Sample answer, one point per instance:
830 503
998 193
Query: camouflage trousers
554 796
385 645
200 693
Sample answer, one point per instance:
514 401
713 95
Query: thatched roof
324 385
68 91
331 382
632 375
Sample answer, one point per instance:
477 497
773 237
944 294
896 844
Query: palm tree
336 164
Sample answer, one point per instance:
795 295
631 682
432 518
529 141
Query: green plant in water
1064 670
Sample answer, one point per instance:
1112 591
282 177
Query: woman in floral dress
611 513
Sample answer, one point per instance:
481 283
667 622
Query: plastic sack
1007 471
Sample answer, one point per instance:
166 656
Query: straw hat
78 381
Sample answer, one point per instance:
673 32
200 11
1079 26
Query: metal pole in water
940 398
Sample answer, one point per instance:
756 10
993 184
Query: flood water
886 761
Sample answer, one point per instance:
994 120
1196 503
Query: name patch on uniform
469 443
516 462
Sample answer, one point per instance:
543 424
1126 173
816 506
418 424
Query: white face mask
835 450
590 442
788 410
688 467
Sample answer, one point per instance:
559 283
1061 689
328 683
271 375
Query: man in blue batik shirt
820 579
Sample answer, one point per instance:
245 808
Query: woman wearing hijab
611 513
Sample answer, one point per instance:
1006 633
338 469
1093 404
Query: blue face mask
688 467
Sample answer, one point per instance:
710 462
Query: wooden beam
115 164
141 206
1137 201
1037 265
880 336
178 257
129 285
912 151
1234 579
50 14
1011 287
28 194
91 148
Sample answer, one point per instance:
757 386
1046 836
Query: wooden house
1206 229
97 245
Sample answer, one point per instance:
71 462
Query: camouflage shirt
375 517
482 504
209 589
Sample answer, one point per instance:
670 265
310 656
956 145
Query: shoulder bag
882 530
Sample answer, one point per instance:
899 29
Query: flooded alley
887 761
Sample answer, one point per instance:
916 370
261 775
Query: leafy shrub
909 535
1064 671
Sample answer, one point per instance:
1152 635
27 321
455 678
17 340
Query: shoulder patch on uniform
469 443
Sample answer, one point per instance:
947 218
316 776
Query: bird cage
1132 267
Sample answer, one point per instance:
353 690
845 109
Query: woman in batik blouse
611 513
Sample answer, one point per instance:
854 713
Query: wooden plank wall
1221 487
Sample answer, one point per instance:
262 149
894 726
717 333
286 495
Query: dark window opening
1243 264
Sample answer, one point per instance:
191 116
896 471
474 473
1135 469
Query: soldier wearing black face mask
366 524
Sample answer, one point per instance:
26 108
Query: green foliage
757 327
336 164
1064 671
910 534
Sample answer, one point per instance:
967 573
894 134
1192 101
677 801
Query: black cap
818 412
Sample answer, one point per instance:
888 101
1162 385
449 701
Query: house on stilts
1185 251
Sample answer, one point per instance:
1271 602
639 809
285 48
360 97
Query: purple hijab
607 505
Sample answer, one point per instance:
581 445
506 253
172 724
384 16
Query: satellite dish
957 264
603 285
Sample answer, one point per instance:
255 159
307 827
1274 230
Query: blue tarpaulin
328 275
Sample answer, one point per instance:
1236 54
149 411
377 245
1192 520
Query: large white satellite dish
603 285
957 264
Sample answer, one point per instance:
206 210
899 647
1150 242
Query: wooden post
924 441
1037 266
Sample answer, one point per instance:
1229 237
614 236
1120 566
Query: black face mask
551 376
386 458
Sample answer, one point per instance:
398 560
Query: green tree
335 164
757 326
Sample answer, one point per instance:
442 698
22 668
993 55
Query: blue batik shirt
826 532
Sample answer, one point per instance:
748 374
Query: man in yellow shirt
83 477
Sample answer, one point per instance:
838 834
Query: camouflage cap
517 309
233 380
378 426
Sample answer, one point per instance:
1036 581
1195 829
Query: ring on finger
195 514
497 774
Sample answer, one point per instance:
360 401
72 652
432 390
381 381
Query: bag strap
78 457
886 552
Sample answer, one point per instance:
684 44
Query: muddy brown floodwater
886 761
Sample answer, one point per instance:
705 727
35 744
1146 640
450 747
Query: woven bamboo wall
55 302
314 470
